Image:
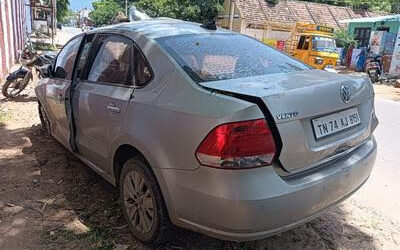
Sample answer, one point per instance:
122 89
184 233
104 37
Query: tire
374 78
19 83
44 119
140 192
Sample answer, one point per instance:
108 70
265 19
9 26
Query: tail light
237 145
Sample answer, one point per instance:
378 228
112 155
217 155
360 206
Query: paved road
382 191
65 34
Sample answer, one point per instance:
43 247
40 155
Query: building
12 33
40 14
381 35
253 17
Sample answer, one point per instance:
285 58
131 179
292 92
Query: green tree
62 9
190 10
376 5
70 15
387 5
103 11
343 39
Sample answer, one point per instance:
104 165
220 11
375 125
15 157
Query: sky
79 4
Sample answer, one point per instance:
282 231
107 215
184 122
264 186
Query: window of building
362 36
40 15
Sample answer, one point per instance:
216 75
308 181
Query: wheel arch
123 153
126 151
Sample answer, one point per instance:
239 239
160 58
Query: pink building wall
12 33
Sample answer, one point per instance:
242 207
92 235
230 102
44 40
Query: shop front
381 35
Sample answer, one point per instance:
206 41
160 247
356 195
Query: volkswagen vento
207 129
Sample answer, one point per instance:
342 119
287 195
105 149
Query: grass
44 46
96 238
4 116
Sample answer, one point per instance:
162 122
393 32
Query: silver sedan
208 129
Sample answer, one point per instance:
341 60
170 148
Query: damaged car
208 129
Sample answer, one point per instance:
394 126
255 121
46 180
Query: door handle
113 108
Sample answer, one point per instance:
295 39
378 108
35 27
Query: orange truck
311 43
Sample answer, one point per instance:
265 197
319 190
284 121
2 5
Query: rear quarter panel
168 127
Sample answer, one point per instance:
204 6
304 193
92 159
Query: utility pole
231 14
53 20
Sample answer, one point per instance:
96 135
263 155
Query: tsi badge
287 115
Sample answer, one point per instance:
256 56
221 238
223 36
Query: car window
213 57
301 42
306 43
85 53
66 58
113 61
144 72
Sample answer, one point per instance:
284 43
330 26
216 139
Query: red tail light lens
238 145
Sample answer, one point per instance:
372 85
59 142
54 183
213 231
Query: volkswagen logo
345 93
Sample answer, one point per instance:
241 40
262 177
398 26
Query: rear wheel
142 203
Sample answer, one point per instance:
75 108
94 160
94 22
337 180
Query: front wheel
12 88
44 120
143 204
373 76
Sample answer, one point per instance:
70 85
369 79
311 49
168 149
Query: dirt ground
51 200
388 92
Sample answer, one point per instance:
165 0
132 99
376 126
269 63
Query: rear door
57 87
102 94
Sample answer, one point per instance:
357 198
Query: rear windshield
213 57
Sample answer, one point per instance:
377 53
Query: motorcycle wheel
12 88
374 78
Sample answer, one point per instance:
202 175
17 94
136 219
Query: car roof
159 27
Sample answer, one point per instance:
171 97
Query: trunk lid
295 99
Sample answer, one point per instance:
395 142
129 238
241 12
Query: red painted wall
12 33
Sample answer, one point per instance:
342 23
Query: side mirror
46 71
60 72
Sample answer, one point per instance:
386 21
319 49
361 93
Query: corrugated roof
259 12
390 18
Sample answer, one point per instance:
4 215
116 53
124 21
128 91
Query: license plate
331 124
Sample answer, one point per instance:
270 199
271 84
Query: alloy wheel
139 202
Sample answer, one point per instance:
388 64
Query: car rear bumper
242 205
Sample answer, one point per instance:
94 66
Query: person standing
349 54
361 59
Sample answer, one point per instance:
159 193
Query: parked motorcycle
374 67
30 60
